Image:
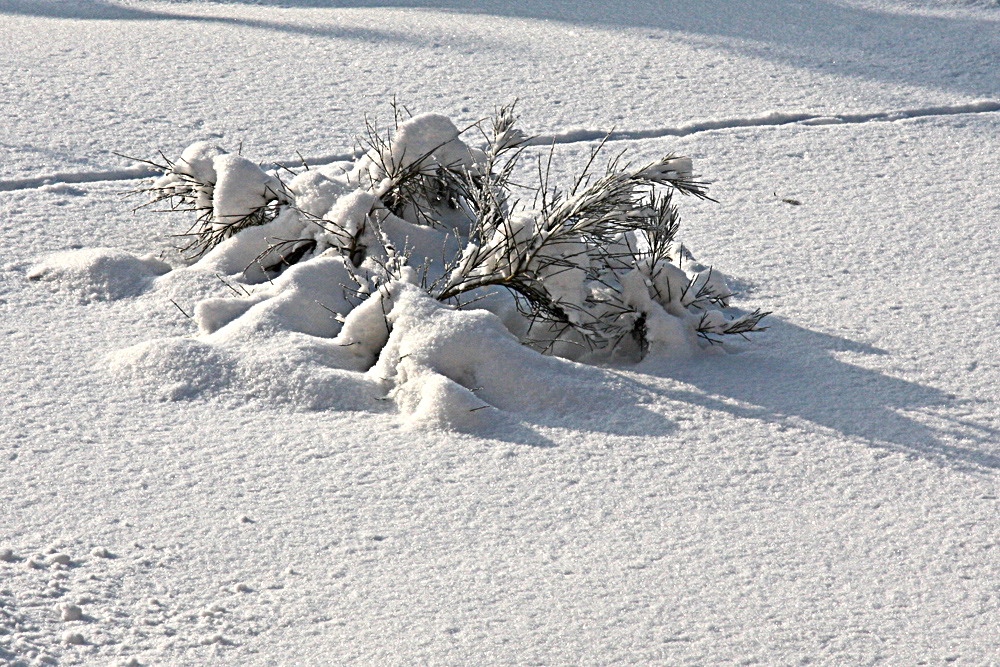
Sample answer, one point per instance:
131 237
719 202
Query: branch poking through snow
595 268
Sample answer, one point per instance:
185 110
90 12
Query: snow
241 188
173 491
421 143
98 273
300 299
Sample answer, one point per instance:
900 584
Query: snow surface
826 493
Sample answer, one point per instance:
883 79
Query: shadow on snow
807 381
103 10
951 52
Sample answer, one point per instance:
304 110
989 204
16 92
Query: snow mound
174 368
416 274
440 367
300 299
293 370
98 274
462 369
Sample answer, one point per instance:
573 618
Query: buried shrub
587 272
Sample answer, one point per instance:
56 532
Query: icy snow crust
827 495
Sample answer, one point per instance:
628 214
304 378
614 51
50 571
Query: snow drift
419 274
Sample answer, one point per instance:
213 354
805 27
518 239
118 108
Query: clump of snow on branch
433 223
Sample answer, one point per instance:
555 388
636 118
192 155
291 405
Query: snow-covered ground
826 493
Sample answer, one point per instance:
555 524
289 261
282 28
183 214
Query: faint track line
569 137
769 120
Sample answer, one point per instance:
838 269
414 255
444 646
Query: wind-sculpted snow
440 367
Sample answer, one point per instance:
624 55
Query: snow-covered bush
584 273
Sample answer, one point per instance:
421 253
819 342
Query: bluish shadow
802 378
583 399
955 52
104 10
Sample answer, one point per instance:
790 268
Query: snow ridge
773 119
